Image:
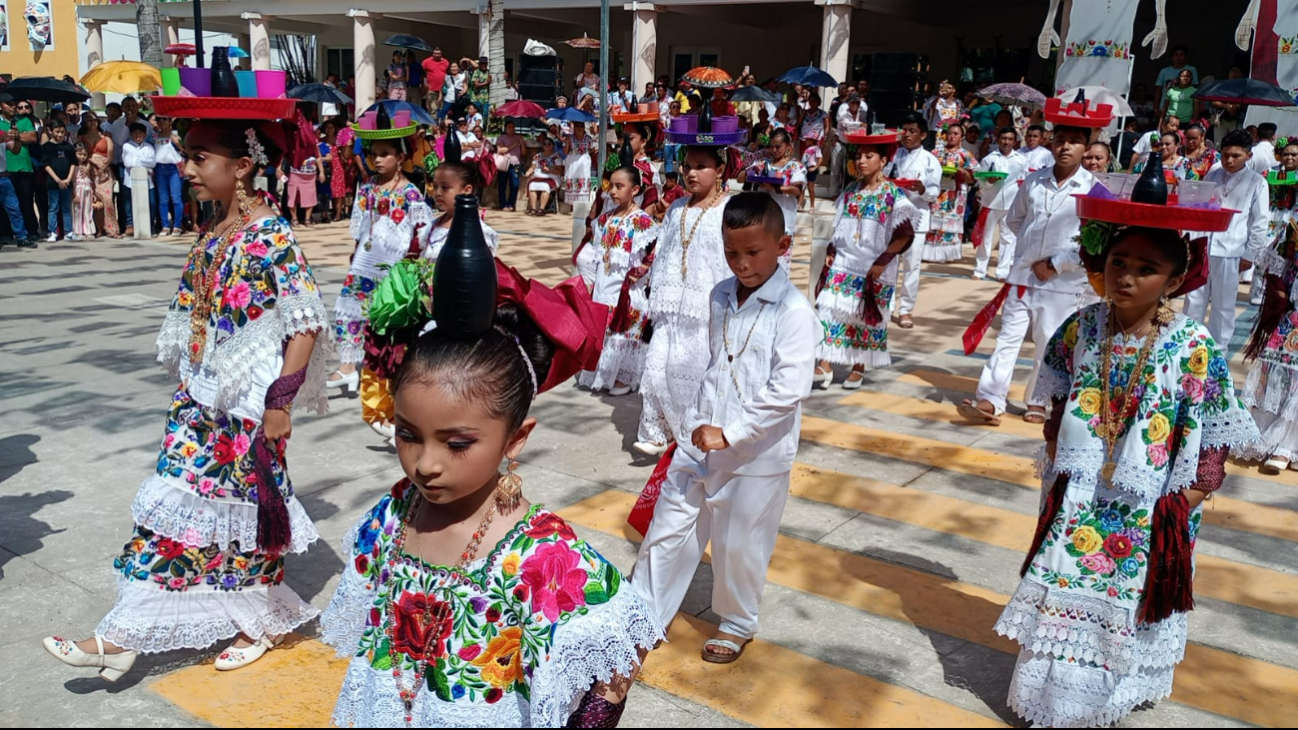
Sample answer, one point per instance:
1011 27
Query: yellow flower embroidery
510 565
1070 335
184 299
188 450
1159 428
1087 540
501 662
1199 361
1089 400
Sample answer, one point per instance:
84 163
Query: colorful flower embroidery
172 565
1098 49
1108 542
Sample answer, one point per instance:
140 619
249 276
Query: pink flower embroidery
256 248
206 486
1158 454
239 296
1193 388
1100 563
557 581
242 443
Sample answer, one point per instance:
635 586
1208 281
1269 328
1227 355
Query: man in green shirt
18 161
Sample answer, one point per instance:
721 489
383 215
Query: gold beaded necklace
687 239
204 280
1111 423
725 339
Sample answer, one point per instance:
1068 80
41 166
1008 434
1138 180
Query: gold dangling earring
509 489
247 203
1165 315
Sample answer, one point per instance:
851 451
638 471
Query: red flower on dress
362 564
224 450
416 631
398 215
169 549
493 615
557 580
1117 545
521 593
384 206
548 524
493 695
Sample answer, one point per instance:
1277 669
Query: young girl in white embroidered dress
214 522
539 631
388 213
623 238
453 179
875 224
1144 417
690 261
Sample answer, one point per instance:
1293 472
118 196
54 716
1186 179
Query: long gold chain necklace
1111 423
433 617
725 339
687 239
204 280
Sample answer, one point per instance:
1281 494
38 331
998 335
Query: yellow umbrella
122 77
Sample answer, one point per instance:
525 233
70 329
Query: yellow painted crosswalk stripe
920 408
1258 692
1224 580
1221 512
771 686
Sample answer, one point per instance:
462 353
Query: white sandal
237 658
347 381
822 381
713 657
111 666
1274 465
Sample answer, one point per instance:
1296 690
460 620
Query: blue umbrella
418 114
569 114
808 76
237 52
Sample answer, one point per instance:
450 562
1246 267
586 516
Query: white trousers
1039 312
1221 291
908 275
996 232
739 514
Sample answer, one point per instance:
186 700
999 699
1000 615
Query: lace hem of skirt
621 361
1050 693
1068 626
176 512
151 620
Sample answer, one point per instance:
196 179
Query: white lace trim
846 308
689 298
940 253
151 620
676 361
596 647
173 511
622 360
369 698
871 359
1068 625
343 622
1272 387
1056 694
235 358
1271 262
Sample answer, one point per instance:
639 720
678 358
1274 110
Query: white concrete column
644 42
835 40
94 43
363 55
259 38
483 12
170 35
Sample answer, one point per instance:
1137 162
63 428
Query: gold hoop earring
509 489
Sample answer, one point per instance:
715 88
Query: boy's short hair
746 210
1266 130
914 118
1007 130
1238 138
1038 128
138 127
673 176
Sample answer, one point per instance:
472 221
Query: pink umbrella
520 108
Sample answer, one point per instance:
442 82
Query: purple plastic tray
711 140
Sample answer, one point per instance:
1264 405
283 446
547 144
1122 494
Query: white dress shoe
850 384
1274 465
822 381
649 449
619 390
111 666
384 429
233 658
348 382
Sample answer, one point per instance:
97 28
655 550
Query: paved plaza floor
899 546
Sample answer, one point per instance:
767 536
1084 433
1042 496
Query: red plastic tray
891 136
904 183
223 107
624 118
1153 216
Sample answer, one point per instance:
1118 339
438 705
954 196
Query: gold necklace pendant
1107 470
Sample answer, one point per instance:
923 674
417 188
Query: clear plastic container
1198 194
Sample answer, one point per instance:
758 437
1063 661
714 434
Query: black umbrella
756 93
402 40
319 94
1246 91
45 88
